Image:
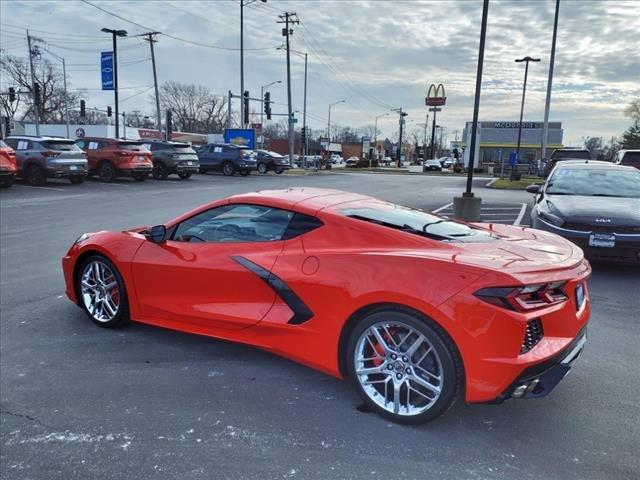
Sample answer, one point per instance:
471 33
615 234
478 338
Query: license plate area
603 240
73 167
141 158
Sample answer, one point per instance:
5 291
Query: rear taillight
529 297
50 154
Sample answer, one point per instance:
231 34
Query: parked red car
110 158
8 166
416 309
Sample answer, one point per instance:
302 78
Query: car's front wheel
403 365
228 169
160 171
102 292
262 168
107 172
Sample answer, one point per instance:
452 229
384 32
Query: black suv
271 161
226 158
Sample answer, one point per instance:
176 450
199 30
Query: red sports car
416 309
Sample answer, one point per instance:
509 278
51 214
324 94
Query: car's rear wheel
228 169
7 181
403 366
102 292
184 175
262 168
160 171
106 172
35 176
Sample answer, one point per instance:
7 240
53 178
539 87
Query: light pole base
467 208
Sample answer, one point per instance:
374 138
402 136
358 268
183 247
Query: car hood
586 209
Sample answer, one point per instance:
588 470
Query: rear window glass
417 222
135 146
631 157
579 154
55 145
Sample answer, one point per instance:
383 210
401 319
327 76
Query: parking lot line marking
497 214
501 208
43 188
521 214
444 207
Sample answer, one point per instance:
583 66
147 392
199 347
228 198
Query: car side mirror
535 189
157 234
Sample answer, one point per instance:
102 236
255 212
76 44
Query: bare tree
368 131
15 71
194 108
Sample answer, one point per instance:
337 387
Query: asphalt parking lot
82 402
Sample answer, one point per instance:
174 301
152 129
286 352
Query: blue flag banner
107 70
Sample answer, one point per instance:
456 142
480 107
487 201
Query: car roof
591 164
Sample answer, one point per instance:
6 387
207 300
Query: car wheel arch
351 322
90 252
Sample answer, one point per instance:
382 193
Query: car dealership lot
142 402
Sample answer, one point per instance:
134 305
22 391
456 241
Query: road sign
293 120
106 66
435 109
80 132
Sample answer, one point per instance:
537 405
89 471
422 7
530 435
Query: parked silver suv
173 157
39 158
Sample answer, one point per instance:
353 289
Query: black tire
244 173
77 180
184 175
451 371
263 168
278 172
7 181
228 169
159 171
121 317
107 172
140 177
35 176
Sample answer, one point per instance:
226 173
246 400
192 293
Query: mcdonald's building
496 140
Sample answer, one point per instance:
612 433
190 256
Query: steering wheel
228 231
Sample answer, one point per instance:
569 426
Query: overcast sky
375 54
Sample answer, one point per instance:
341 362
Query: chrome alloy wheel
100 292
398 368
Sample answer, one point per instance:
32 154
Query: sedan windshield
595 182
416 221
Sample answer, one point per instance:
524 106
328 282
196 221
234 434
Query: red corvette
414 308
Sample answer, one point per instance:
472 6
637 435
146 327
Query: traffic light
12 94
83 110
267 104
303 135
246 107
109 111
36 94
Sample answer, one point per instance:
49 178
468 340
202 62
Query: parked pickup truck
226 158
173 157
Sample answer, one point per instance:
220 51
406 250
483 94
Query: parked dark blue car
226 158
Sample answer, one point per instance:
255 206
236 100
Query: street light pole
547 105
262 110
66 96
36 107
329 121
375 136
467 207
524 92
115 33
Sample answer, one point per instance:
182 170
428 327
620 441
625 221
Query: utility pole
115 34
229 111
36 107
151 39
547 105
304 113
124 125
287 18
524 92
375 136
402 115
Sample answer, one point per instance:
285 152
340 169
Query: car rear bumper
180 168
132 171
66 173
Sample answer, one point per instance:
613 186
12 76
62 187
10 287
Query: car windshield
579 154
595 182
417 222
67 145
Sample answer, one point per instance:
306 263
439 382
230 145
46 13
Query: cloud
373 54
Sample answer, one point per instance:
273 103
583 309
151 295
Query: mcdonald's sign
435 96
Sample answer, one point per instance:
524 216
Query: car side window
81 144
217 149
235 223
11 142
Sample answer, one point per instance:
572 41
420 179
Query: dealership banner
241 136
106 67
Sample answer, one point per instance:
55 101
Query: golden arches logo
435 95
